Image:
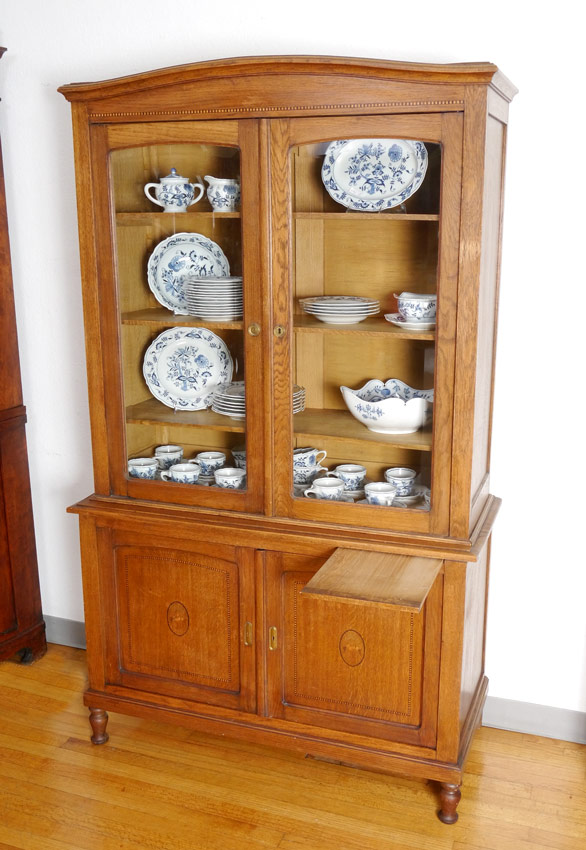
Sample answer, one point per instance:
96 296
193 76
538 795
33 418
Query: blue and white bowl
389 408
415 306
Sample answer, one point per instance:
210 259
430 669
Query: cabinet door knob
254 329
279 331
248 634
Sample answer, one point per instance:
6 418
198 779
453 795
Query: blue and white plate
373 174
178 258
184 366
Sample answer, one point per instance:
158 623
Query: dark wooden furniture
210 607
21 619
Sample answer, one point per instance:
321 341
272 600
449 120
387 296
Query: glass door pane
365 221
181 299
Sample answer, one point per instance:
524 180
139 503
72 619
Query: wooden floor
161 787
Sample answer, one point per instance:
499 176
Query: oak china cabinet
22 628
339 627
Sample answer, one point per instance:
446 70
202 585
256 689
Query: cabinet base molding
354 756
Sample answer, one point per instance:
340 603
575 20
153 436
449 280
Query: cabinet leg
98 722
449 799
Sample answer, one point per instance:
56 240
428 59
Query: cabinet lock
279 331
247 634
273 637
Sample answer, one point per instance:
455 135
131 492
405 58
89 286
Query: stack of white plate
229 400
340 309
216 299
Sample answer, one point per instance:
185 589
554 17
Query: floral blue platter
373 174
183 367
178 258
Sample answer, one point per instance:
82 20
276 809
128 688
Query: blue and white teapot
174 193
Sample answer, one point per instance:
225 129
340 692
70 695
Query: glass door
185 282
367 306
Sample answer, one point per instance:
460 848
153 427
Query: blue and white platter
179 257
184 366
373 174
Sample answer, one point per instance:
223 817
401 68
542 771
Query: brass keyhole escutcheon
254 329
279 331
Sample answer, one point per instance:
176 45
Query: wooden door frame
445 129
111 464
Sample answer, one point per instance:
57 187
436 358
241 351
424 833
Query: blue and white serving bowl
389 408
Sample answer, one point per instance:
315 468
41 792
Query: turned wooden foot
98 722
449 799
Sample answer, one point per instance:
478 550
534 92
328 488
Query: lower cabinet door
363 668
184 617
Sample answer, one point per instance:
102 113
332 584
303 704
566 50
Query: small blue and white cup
239 455
182 473
210 461
223 193
168 455
331 489
380 493
352 474
307 464
402 478
230 477
143 467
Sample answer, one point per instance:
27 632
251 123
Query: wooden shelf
341 424
146 218
373 326
387 216
163 318
153 412
379 578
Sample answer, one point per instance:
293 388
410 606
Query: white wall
536 646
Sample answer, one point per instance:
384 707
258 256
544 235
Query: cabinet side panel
487 311
474 621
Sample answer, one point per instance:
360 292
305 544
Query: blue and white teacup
352 474
327 488
239 455
416 306
380 493
230 477
402 478
143 467
307 464
168 455
182 473
210 461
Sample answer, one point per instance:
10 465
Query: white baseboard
532 719
65 632
526 717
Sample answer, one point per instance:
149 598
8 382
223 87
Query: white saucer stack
216 299
229 400
340 309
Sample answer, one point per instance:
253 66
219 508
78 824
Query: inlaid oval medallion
352 648
178 618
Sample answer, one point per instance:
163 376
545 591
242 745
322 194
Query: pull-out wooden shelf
376 577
